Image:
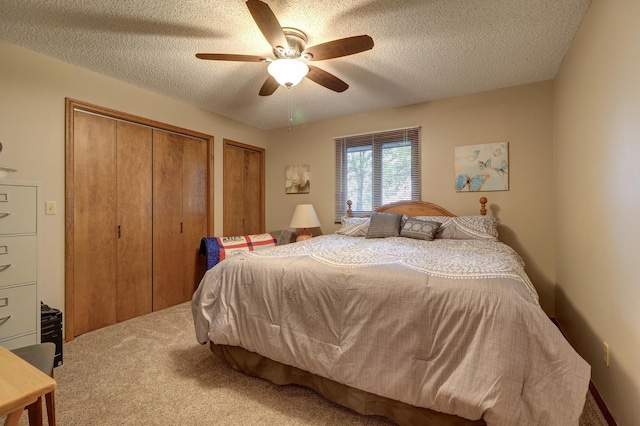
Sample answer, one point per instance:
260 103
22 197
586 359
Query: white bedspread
454 326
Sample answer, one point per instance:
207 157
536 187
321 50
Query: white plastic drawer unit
17 209
17 310
18 263
19 304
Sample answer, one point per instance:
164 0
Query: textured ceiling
424 49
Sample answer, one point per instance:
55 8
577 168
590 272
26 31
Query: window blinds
377 168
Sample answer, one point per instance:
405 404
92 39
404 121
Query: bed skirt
360 401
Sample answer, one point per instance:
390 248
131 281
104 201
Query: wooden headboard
418 208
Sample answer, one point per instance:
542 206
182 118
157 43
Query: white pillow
354 226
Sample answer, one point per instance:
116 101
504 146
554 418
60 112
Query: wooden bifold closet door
138 199
112 227
194 214
243 189
179 216
134 212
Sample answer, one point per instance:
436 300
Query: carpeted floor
151 371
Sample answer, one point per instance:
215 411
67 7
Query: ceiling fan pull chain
290 108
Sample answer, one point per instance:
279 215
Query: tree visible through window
359 177
376 169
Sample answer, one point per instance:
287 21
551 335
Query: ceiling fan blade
229 57
268 23
269 86
326 79
340 47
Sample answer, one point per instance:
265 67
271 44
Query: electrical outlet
605 347
50 207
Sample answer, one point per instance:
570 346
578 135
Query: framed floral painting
482 167
297 179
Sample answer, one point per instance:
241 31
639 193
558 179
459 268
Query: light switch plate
50 207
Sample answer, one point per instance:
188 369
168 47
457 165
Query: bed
434 324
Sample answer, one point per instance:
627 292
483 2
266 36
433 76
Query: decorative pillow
354 226
284 236
384 225
465 227
419 229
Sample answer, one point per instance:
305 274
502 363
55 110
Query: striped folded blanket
219 248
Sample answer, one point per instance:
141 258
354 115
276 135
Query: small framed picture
297 179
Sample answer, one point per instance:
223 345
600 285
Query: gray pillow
383 225
419 229
465 227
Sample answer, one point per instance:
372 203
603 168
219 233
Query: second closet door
243 189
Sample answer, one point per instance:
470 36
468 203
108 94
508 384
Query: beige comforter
454 326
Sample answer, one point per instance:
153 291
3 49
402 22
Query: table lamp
304 217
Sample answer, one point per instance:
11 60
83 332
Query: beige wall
33 88
597 148
520 115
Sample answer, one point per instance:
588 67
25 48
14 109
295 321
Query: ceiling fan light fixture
288 72
291 53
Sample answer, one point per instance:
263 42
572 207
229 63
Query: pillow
465 227
284 236
384 225
354 226
419 229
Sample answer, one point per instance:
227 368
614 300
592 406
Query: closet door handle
119 231
4 319
5 266
5 214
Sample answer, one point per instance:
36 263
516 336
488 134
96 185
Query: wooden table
21 384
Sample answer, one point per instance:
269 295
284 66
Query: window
377 168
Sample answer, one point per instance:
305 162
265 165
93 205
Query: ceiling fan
291 54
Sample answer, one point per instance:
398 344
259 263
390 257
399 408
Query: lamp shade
288 72
304 216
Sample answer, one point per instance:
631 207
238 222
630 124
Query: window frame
376 140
